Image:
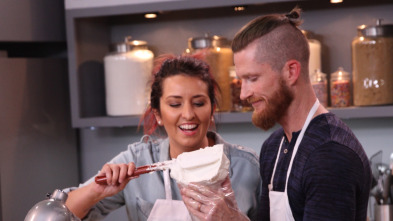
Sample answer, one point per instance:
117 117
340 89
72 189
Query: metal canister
372 64
219 56
128 69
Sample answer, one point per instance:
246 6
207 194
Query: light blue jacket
140 194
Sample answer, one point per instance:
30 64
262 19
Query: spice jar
319 84
218 54
128 69
340 88
236 87
372 61
315 52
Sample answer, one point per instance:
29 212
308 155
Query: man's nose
245 92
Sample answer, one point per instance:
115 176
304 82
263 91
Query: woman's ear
292 71
214 109
157 116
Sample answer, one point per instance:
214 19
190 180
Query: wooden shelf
238 117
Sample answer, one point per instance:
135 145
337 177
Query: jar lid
308 34
378 30
341 73
207 42
127 45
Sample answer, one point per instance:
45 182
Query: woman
182 103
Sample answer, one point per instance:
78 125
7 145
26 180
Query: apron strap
270 186
167 182
300 138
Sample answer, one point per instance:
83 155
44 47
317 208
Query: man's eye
252 79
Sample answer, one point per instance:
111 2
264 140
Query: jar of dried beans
372 63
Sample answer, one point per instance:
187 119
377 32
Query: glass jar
315 52
236 87
218 54
372 61
340 88
319 84
128 69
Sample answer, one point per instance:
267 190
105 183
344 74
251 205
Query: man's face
263 87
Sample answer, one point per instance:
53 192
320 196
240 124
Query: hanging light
336 1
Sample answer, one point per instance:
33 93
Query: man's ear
292 71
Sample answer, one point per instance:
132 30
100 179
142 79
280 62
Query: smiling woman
182 103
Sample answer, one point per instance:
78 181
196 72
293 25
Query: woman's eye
174 105
199 104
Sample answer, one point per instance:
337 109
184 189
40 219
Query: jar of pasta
219 56
372 61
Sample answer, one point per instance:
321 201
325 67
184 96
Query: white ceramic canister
127 72
315 53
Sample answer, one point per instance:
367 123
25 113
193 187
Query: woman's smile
185 112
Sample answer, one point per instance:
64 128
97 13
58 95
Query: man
313 168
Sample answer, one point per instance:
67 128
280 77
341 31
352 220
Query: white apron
280 209
168 209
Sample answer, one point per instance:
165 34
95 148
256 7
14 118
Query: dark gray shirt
330 177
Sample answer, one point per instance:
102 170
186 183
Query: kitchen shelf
239 117
91 30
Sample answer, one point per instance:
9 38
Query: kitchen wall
335 29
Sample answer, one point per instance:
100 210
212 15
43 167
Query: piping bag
207 165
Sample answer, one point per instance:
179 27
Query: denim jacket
140 194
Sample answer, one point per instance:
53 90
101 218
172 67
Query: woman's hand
80 201
117 177
212 203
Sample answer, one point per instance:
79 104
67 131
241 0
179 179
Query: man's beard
276 107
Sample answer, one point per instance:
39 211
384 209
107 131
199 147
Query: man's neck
296 115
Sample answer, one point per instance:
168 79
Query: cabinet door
32 20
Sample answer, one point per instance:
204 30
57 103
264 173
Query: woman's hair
170 65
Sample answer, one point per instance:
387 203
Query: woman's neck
175 150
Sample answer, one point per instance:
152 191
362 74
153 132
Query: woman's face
186 112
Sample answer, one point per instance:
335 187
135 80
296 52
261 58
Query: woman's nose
188 112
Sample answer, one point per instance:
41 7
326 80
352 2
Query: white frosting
205 166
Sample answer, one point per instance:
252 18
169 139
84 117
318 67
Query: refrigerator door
38 146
